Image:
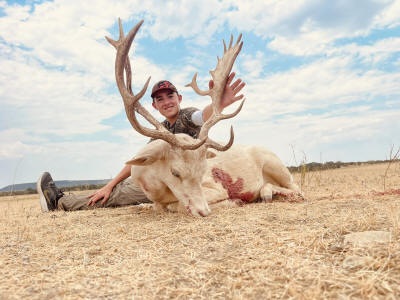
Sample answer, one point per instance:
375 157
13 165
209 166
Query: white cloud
70 160
57 77
263 17
320 84
175 19
306 27
375 53
253 65
13 134
306 44
390 15
330 133
66 102
17 149
57 68
68 34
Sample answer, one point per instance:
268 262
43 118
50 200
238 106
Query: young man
120 192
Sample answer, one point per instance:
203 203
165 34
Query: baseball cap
163 85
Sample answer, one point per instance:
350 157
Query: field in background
267 250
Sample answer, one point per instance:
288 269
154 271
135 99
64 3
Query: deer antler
220 77
131 102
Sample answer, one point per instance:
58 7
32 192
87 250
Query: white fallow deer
178 172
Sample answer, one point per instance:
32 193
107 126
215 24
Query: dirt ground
262 250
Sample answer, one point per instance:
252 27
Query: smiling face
167 102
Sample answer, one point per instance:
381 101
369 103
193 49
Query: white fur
158 164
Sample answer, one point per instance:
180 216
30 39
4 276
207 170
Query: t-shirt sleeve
187 124
197 118
187 116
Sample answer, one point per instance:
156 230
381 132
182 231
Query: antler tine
131 102
122 61
195 87
128 70
127 66
231 115
121 29
215 118
117 43
112 42
211 144
238 39
220 76
128 74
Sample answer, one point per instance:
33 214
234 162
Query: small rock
336 247
366 238
94 251
25 260
355 261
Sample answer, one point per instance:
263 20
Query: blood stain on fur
234 189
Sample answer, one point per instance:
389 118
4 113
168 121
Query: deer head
165 160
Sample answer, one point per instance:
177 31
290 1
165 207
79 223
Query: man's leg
75 202
124 193
48 192
51 198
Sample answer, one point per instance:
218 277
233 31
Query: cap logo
161 85
164 85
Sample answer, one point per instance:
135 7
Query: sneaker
48 192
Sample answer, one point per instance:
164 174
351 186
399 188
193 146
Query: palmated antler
131 101
220 77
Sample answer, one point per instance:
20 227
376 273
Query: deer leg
266 193
269 190
159 207
277 190
176 207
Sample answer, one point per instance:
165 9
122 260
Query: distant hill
59 183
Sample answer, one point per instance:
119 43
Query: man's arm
104 192
228 97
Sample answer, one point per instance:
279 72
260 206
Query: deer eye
175 173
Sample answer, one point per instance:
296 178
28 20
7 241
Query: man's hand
103 193
231 91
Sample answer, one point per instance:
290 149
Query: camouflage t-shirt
184 123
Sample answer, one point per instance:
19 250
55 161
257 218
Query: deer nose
204 213
198 212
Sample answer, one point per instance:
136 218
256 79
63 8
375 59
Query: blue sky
323 78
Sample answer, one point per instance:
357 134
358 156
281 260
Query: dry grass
276 250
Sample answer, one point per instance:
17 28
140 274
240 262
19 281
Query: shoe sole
43 201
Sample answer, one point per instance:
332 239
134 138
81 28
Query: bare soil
261 250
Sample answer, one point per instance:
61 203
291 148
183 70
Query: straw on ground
263 250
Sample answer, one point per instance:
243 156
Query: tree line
314 166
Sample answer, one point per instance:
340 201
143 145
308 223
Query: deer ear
210 154
150 153
141 161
